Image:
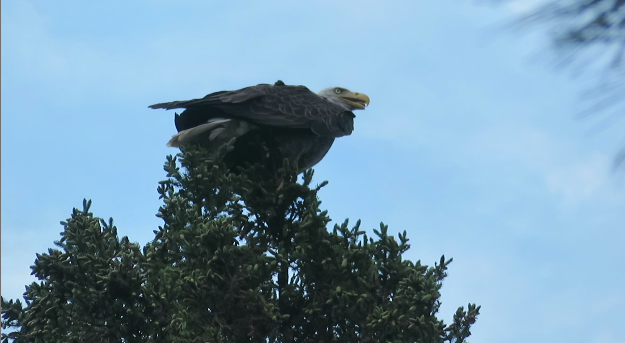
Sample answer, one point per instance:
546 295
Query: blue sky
467 145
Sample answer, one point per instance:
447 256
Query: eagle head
346 98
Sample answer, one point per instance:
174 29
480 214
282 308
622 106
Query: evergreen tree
242 256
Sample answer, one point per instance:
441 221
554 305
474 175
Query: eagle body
290 121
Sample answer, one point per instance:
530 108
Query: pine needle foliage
242 256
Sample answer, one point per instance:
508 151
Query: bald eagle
291 121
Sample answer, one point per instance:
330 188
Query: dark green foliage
90 289
242 257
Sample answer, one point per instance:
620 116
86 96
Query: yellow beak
357 100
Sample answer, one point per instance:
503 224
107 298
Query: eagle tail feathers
183 104
215 125
167 105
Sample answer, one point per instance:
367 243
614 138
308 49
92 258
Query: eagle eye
337 90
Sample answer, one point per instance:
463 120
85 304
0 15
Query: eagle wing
272 105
